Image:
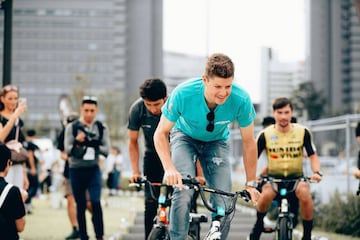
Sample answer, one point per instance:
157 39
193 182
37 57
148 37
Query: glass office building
76 48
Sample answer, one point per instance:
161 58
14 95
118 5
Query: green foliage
307 99
340 215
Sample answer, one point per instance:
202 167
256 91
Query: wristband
319 173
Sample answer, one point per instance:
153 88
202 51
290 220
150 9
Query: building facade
278 79
333 53
104 48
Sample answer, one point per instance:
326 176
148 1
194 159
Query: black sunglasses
210 117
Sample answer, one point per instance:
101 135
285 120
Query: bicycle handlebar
274 180
143 181
192 183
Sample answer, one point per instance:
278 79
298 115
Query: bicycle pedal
198 217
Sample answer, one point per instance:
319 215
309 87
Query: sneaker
28 208
74 235
254 236
214 232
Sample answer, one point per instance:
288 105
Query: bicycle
285 218
160 228
245 195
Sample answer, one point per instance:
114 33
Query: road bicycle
160 229
285 218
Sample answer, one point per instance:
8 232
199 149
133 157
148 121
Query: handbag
18 152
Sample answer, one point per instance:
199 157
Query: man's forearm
250 159
162 147
134 158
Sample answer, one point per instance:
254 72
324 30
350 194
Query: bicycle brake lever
246 196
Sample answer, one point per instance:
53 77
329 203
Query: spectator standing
11 108
114 162
85 140
357 134
196 118
32 168
145 114
70 200
12 210
47 163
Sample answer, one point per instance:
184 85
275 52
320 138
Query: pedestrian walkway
240 226
49 220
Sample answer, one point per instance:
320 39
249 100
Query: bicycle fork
284 223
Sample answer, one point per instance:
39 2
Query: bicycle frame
285 219
160 228
194 184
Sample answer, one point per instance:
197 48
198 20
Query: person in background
293 138
12 211
357 134
11 108
32 168
70 200
196 118
267 121
145 114
114 162
85 140
46 176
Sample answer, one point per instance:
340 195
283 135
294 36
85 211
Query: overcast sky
238 28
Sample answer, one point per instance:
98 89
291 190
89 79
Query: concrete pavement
49 220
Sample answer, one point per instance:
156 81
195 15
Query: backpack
100 126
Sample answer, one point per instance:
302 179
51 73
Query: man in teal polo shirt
198 113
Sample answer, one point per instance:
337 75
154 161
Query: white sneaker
214 232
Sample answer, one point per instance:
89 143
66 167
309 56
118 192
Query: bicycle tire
284 231
159 232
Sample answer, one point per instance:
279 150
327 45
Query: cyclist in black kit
145 113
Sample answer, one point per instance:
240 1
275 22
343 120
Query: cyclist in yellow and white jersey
284 143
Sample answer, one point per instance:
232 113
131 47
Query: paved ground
240 227
123 217
49 223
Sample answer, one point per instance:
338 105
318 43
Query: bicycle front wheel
284 231
159 233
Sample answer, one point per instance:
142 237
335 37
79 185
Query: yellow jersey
285 150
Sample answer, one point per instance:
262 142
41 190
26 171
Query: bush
340 215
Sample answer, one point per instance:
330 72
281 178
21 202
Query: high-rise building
333 53
72 48
278 79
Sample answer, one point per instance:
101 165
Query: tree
307 99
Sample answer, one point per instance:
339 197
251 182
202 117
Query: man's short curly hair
219 65
153 89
